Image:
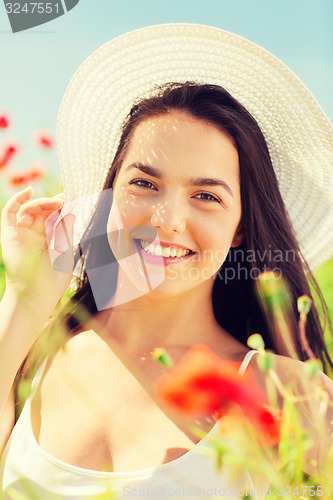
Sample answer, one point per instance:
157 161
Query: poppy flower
7 155
264 424
31 175
268 424
202 384
44 139
36 173
4 122
17 180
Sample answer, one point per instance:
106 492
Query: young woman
178 210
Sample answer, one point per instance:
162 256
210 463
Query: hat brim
128 68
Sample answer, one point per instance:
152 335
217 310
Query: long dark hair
269 241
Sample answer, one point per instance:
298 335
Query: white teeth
173 252
157 250
166 252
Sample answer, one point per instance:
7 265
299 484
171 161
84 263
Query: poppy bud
304 304
256 341
162 356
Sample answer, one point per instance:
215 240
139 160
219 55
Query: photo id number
32 7
302 490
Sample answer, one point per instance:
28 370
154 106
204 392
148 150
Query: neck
175 322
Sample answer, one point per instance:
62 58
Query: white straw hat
128 68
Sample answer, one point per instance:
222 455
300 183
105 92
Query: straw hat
128 68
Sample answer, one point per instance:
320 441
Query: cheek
126 213
116 226
215 241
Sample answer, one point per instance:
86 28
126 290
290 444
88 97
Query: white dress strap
245 363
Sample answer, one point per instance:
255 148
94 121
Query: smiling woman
175 183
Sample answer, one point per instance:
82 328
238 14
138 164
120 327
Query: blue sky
36 65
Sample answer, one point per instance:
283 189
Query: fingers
41 217
12 207
60 195
25 220
42 207
22 212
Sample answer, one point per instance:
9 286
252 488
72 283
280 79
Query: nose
169 217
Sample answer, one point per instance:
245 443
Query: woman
191 195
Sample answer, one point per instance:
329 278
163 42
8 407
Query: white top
26 467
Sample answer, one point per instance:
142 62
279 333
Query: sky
36 64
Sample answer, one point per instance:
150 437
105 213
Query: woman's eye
143 183
207 197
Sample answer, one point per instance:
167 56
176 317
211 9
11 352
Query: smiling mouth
166 252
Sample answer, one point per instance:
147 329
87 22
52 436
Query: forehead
178 136
172 124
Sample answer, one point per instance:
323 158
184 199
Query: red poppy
268 424
4 122
36 173
44 139
7 155
202 384
31 175
17 180
264 423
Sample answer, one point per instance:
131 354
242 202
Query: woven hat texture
128 68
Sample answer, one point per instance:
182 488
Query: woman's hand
27 227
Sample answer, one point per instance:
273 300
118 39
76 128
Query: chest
102 418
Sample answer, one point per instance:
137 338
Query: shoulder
83 344
293 374
82 355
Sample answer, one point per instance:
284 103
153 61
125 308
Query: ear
238 237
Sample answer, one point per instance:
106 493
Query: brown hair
268 233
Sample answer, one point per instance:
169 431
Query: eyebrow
192 181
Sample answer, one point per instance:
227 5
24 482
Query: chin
171 288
